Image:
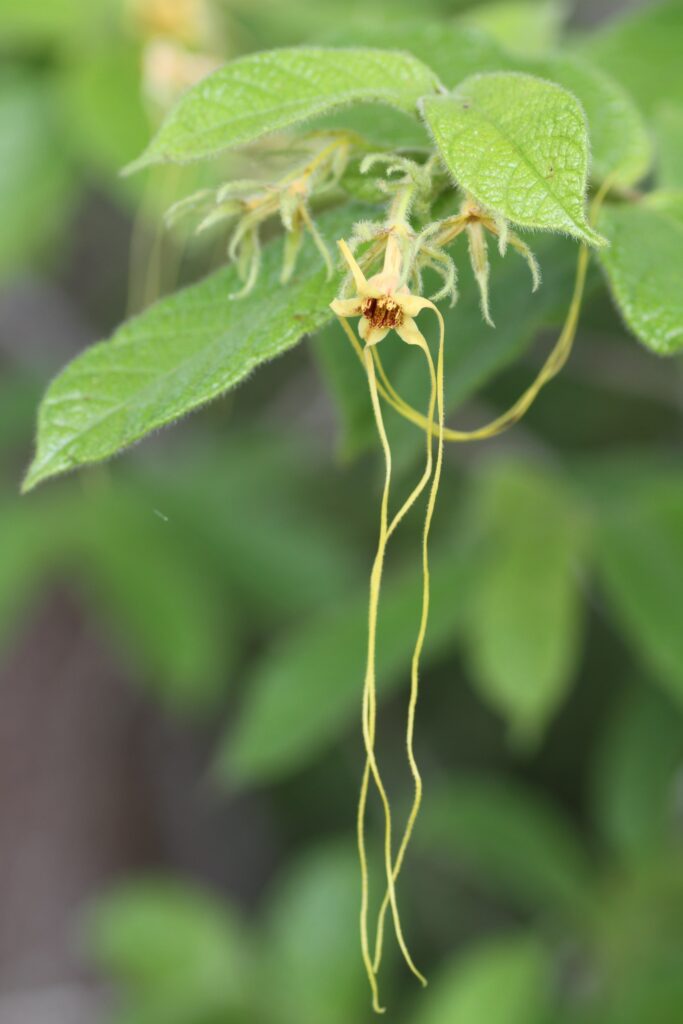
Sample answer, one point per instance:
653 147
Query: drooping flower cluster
245 205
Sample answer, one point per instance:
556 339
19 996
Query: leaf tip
31 479
596 240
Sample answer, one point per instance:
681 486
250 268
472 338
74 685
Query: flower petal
371 335
410 332
358 275
347 307
413 304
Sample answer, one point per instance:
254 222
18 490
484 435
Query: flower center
383 312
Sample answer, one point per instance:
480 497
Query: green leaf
640 560
511 839
267 92
618 133
179 354
179 954
642 50
642 266
634 779
503 981
287 720
621 146
519 145
311 955
523 625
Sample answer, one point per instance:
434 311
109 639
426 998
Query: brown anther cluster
383 312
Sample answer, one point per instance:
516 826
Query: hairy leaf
619 138
182 352
267 92
620 142
519 145
642 266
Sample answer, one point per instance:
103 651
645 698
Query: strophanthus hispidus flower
382 302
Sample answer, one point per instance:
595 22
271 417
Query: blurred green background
183 631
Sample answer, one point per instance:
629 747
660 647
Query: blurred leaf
642 269
35 185
343 376
174 622
642 50
269 91
525 606
640 559
30 541
669 128
19 394
519 145
654 994
312 968
453 50
255 506
307 689
182 352
308 20
50 22
639 936
503 981
513 839
103 111
634 779
523 26
179 954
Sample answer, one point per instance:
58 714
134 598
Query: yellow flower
383 303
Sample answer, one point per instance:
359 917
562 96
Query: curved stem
437 379
370 708
553 364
